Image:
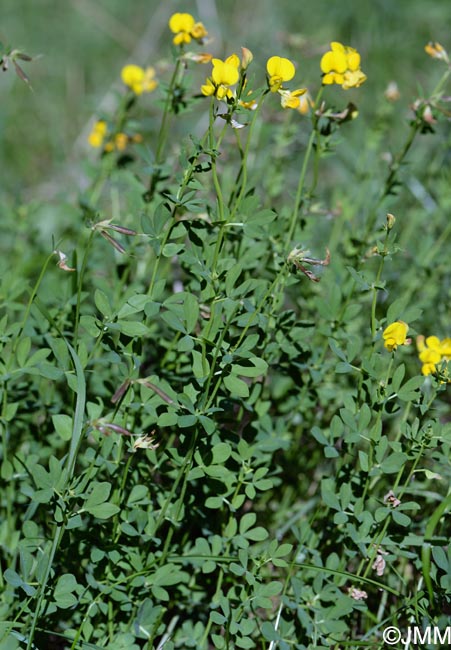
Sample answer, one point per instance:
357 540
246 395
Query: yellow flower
437 51
119 143
138 79
341 65
185 28
149 82
224 74
445 348
395 334
279 70
181 25
433 351
97 135
290 98
199 32
305 103
353 79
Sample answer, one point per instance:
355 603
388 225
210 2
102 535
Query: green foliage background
279 422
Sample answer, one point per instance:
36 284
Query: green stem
164 130
173 219
243 168
30 302
80 286
375 287
301 182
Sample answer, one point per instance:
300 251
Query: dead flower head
299 257
62 263
357 594
391 499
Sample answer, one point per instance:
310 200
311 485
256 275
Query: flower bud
391 219
246 58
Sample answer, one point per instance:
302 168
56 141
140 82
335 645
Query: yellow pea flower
341 65
279 70
437 51
119 143
98 133
224 74
138 79
433 351
445 348
198 32
185 28
305 103
395 334
181 25
291 98
353 79
149 82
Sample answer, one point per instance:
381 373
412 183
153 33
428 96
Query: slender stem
80 286
30 302
243 168
301 182
375 287
164 130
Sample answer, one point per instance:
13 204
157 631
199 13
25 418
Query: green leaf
102 303
133 328
63 425
103 511
23 350
191 311
401 518
99 493
221 452
252 367
394 462
63 595
236 387
247 521
409 391
257 534
201 367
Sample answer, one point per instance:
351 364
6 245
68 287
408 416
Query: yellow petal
335 46
353 79
198 31
233 60
353 60
132 74
181 23
280 67
208 88
395 334
433 342
224 73
95 139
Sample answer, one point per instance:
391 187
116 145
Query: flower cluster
138 79
224 75
280 70
185 29
118 142
341 65
98 134
395 334
432 351
437 51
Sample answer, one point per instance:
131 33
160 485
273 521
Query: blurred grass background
84 43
